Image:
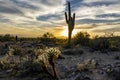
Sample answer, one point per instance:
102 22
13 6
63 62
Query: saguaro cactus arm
66 18
73 20
69 10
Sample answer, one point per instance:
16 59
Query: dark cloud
80 3
96 21
3 20
108 15
46 2
107 3
92 26
13 10
49 17
24 4
87 26
74 4
117 29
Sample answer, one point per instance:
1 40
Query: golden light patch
65 32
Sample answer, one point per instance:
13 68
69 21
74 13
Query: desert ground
77 63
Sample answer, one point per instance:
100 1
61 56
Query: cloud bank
48 15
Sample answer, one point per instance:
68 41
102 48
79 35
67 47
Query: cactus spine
71 22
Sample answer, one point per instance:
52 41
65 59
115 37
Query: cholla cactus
9 58
44 55
48 57
53 52
11 51
38 51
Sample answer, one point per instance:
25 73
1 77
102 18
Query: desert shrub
16 50
114 48
6 37
27 69
24 69
105 43
19 51
48 38
46 55
61 42
3 51
100 43
81 38
115 43
4 66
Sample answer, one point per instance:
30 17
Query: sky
32 18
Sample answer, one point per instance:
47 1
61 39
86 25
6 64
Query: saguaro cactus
71 22
16 38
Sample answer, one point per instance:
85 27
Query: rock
112 71
100 72
117 57
117 64
87 64
71 74
86 78
93 64
81 67
81 77
64 68
68 52
78 77
116 73
73 52
8 71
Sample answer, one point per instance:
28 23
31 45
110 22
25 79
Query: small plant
47 58
27 69
100 43
82 38
48 38
16 50
6 37
87 65
53 52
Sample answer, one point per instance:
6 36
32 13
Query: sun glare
65 32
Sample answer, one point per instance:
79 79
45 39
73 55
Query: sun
65 32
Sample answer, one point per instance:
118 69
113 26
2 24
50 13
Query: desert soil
67 68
